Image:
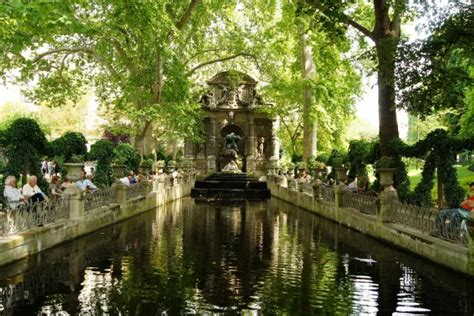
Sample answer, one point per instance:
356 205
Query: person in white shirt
126 180
31 190
85 184
12 195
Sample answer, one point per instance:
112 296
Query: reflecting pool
265 258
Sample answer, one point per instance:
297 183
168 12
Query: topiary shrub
69 145
25 144
359 151
127 155
103 152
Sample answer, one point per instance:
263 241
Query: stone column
147 187
251 138
76 204
120 194
275 140
251 166
211 164
211 150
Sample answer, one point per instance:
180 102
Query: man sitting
127 180
84 184
11 193
457 216
32 192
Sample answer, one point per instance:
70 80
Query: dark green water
254 258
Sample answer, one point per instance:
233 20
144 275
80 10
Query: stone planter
386 177
341 173
118 170
73 170
143 169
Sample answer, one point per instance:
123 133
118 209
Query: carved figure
231 167
261 147
230 142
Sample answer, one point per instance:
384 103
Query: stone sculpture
230 142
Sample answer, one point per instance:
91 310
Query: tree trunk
308 70
144 141
388 125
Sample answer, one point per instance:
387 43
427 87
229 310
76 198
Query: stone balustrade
420 230
32 228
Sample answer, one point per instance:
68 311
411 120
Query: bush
25 144
68 145
103 152
127 155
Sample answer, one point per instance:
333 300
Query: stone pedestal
76 204
251 166
120 193
211 164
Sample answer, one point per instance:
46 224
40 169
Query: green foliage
127 155
438 73
385 162
69 145
103 152
314 163
439 151
25 145
358 157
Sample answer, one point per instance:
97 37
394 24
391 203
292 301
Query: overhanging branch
222 59
79 50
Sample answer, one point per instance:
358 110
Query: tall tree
308 70
321 99
436 74
384 31
138 56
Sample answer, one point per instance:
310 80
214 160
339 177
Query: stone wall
454 256
82 221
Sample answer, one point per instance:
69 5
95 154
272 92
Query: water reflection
251 258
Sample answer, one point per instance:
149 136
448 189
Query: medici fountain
240 139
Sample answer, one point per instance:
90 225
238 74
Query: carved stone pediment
231 89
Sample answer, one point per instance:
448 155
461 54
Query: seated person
140 178
66 184
55 187
11 193
32 192
457 216
85 184
352 184
127 180
362 184
330 181
132 179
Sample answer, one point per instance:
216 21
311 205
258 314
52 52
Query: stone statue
231 167
261 148
230 142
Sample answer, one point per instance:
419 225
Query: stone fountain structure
239 136
240 141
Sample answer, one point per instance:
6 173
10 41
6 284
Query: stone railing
135 190
420 218
31 215
99 198
386 208
74 204
327 193
363 203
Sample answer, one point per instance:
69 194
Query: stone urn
73 170
386 177
143 168
171 166
159 165
118 170
341 173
